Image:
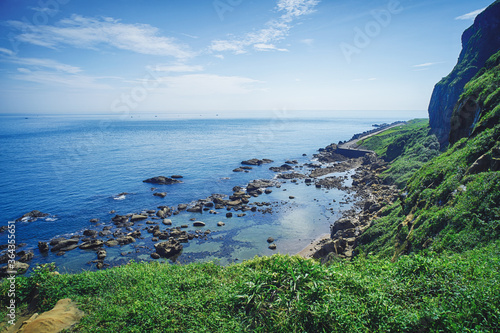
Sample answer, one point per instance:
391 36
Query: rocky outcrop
479 43
32 216
162 180
255 161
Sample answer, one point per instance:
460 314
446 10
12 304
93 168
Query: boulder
198 224
176 176
25 256
160 194
272 246
17 267
341 225
195 209
43 247
220 224
125 240
31 216
167 222
95 243
182 206
64 244
270 240
168 249
90 233
137 217
111 242
101 254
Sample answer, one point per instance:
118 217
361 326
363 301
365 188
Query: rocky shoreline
371 196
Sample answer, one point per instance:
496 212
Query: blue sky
181 56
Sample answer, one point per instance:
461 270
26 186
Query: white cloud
46 63
220 56
267 47
424 66
471 15
177 68
274 31
209 84
7 51
85 32
66 80
307 41
47 10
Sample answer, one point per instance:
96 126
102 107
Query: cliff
479 43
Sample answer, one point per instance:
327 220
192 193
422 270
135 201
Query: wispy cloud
364 80
268 47
46 63
64 79
7 51
86 32
471 15
307 41
209 84
275 30
425 66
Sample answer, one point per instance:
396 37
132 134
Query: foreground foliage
424 292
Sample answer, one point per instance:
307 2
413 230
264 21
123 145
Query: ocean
77 168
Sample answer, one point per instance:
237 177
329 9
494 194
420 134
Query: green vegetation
425 292
407 147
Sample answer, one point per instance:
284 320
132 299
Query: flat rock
137 217
161 180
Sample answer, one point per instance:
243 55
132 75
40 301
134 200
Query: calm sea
75 167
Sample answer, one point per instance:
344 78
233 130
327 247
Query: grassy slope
449 292
408 147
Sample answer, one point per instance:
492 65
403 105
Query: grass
423 292
407 147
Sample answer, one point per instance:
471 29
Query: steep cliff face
479 106
479 43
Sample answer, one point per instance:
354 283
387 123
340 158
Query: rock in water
18 267
161 180
32 216
43 247
169 248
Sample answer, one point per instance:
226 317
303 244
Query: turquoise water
74 168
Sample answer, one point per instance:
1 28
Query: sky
233 56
